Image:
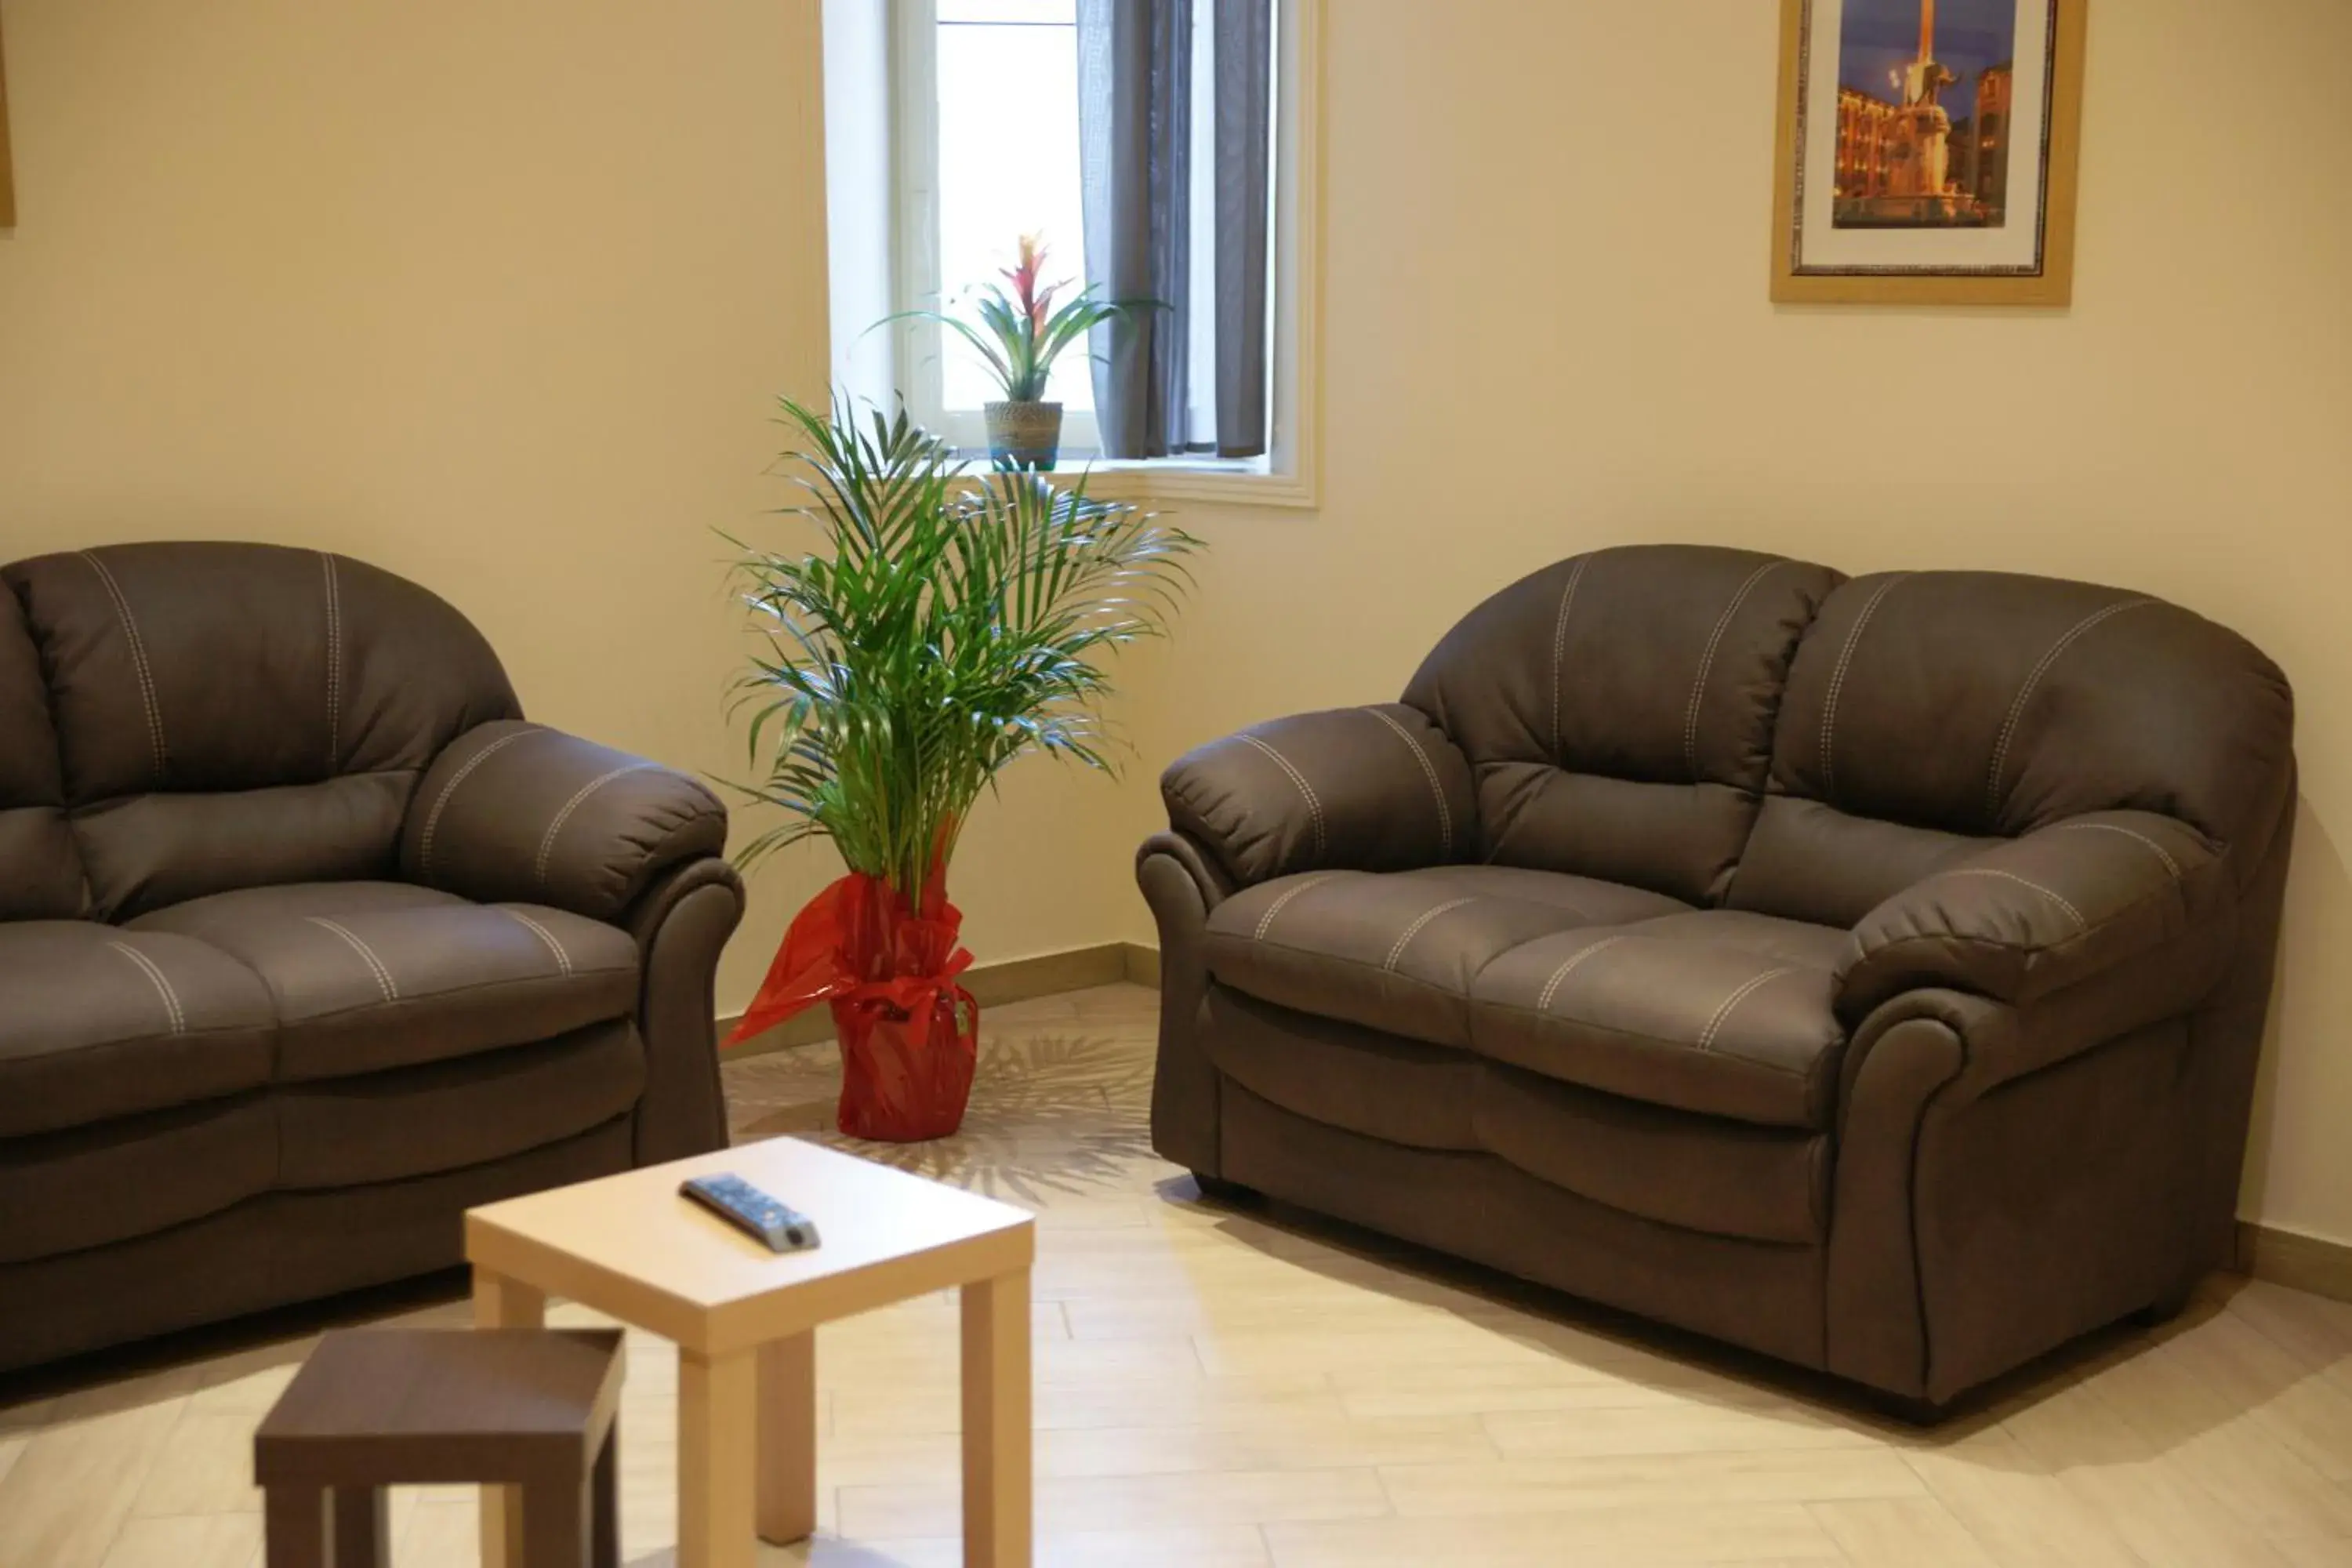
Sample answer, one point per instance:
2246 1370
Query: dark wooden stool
529 1408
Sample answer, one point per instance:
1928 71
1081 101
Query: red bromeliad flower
1036 304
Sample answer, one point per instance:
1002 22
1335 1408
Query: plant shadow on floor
1053 1115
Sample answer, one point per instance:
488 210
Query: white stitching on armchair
2171 866
1266 921
547 840
1413 929
465 770
367 955
2017 709
2072 912
1755 983
1706 663
162 987
138 664
1429 770
1314 807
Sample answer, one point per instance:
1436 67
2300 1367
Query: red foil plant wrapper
909 1034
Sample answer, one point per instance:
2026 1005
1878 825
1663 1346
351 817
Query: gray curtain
1135 142
1244 41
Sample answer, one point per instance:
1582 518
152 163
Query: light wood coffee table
745 1322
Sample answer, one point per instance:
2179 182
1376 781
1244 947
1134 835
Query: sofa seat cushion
414 1121
87 1186
1344 1075
1398 950
366 976
1701 1173
97 1022
1721 1012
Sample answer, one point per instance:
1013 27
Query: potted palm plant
947 625
1020 333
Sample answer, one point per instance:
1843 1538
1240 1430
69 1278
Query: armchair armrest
1364 789
513 811
2037 914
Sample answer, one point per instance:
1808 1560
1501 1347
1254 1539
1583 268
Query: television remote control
747 1208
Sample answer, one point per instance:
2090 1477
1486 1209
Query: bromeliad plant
948 624
1021 332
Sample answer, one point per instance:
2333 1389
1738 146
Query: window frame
1288 474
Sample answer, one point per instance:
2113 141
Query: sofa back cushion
1618 709
232 715
40 874
1931 712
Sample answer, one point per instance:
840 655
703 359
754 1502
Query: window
989 146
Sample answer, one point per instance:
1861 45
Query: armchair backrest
1617 708
230 715
1929 713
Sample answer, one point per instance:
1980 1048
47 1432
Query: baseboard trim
991 984
2297 1262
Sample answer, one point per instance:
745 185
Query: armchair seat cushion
1399 951
364 977
1720 1012
97 1022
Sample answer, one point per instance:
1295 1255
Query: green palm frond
946 626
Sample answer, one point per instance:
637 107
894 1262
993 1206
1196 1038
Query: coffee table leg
295 1519
503 1303
718 1430
996 1497
788 1439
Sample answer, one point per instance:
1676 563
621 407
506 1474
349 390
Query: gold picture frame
1895 246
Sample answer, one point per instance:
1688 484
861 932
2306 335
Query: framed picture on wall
1926 151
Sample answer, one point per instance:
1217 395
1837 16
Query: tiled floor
1217 1389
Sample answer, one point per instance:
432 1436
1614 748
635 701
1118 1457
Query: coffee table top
630 1246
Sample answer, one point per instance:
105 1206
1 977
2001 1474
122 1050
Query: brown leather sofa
307 942
1870 972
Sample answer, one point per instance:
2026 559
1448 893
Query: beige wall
496 295
1546 329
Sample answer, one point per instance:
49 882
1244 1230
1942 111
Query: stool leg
361 1528
295 1519
503 1303
554 1526
607 1490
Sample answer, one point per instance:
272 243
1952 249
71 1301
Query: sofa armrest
513 811
1361 789
2034 915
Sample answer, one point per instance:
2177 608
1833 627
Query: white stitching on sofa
2158 850
1276 908
1837 678
2017 709
1551 986
162 985
2072 912
367 955
1429 770
138 663
1755 983
1314 807
1706 664
432 817
1413 929
1559 647
547 840
563 959
334 662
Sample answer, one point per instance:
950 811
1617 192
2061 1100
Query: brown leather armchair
307 942
1869 972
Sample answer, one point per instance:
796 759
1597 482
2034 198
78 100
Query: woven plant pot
1024 436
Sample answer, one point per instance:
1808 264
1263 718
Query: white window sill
1151 481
